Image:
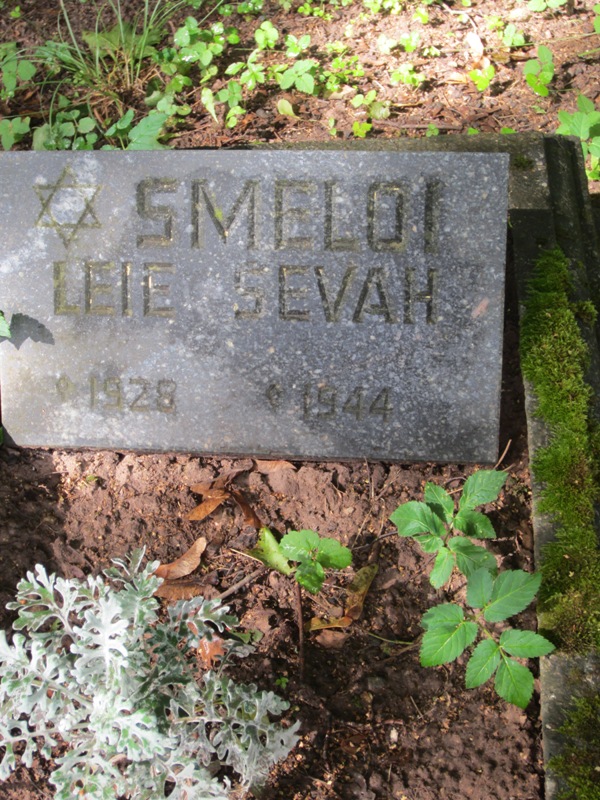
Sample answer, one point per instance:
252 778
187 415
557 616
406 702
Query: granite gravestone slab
317 304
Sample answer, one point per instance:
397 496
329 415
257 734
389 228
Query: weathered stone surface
324 304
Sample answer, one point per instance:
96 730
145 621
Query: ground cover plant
196 73
91 666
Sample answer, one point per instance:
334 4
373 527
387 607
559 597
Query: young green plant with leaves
449 632
313 554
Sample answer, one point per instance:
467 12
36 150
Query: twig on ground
241 583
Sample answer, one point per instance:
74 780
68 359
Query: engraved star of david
67 206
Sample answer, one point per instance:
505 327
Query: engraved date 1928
116 393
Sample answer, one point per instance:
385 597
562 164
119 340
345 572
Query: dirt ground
375 725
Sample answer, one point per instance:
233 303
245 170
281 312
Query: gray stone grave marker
310 304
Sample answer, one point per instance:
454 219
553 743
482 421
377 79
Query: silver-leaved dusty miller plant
99 676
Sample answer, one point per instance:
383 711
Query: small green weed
438 529
407 74
360 129
313 553
12 131
545 5
483 77
585 124
539 71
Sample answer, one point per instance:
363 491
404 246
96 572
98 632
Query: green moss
579 764
554 359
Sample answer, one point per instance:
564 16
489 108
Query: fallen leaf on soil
184 564
357 591
250 516
210 651
216 492
267 467
180 590
214 498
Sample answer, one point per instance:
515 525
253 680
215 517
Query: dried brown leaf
209 505
210 651
179 590
250 516
318 624
184 564
357 591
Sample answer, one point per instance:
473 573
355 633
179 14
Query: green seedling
300 76
285 108
295 46
313 553
12 131
432 130
407 74
483 77
439 529
251 72
266 36
449 632
545 5
511 37
141 136
360 129
585 124
540 71
409 41
376 109
69 129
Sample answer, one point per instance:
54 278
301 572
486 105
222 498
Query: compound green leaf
585 104
444 643
513 591
471 557
525 644
443 614
482 487
514 682
479 588
474 523
442 568
482 663
414 517
439 501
